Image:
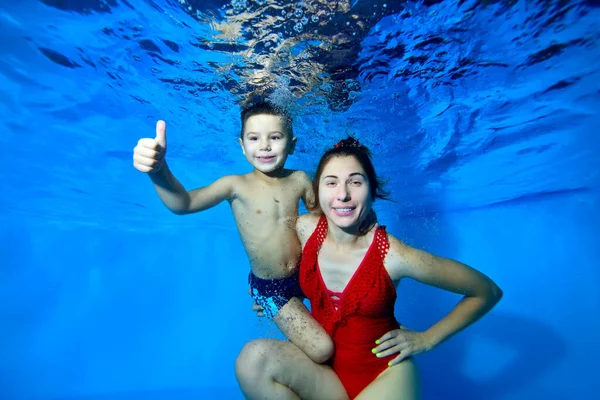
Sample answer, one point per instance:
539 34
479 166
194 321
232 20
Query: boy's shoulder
299 175
232 179
234 184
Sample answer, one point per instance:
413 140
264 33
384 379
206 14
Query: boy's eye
356 183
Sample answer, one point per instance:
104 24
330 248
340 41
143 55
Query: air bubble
239 5
298 27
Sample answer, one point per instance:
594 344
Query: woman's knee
251 363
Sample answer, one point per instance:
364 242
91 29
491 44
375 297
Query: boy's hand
149 154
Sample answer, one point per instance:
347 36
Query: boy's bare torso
265 212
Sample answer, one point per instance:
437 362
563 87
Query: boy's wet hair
350 147
265 107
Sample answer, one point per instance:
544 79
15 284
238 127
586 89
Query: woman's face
344 192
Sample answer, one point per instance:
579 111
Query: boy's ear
293 145
242 145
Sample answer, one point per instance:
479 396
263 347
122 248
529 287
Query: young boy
265 207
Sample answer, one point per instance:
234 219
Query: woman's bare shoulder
395 260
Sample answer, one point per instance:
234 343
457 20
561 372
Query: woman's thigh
287 365
400 382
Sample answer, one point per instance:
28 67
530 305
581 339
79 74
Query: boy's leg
273 369
296 323
280 301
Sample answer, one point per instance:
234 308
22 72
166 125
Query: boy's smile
265 159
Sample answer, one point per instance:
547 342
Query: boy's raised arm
149 157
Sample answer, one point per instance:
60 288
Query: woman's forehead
343 165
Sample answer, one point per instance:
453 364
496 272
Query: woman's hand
403 341
255 307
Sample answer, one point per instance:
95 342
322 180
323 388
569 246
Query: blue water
482 115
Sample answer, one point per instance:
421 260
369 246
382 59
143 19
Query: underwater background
483 117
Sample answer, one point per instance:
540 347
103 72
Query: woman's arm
481 294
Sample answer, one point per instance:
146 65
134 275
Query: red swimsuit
363 313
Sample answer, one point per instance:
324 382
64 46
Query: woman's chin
344 223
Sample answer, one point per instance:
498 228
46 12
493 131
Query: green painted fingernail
377 341
390 364
374 351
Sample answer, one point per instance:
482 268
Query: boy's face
265 142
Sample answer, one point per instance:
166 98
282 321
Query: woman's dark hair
350 147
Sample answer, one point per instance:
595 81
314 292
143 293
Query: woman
350 279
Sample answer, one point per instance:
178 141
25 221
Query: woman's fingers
389 335
398 359
255 307
397 348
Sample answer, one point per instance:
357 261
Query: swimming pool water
482 116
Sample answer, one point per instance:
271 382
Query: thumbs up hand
149 154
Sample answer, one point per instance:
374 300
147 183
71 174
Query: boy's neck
267 177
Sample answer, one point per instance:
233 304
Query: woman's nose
343 193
